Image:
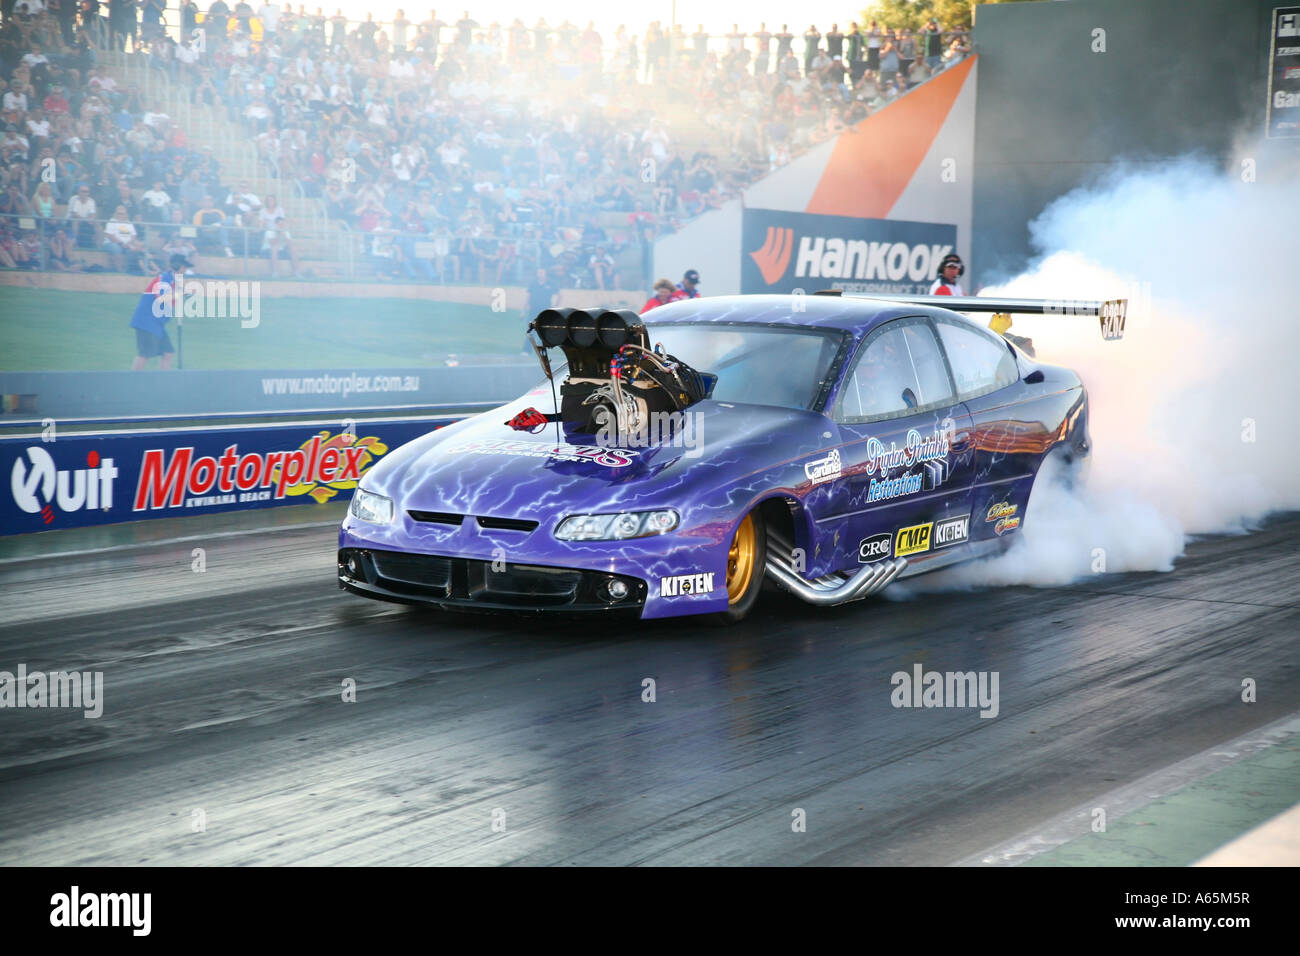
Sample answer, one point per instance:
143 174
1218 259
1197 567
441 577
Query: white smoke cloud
1192 412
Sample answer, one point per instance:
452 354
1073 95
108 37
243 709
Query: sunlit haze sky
716 15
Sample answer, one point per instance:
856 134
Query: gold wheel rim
740 560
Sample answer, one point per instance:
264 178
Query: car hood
483 467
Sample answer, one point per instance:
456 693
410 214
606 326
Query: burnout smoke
1192 418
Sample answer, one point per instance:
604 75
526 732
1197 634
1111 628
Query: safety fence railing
223 245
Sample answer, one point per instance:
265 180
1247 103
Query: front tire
746 569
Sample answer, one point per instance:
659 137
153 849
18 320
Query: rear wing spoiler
1111 313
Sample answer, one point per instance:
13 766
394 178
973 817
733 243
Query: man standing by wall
811 45
854 58
152 312
932 46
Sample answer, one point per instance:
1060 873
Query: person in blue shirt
151 314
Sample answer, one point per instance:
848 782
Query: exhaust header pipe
828 590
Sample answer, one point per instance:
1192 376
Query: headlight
629 524
371 507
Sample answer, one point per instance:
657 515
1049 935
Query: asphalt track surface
223 694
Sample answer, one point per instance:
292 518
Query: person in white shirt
405 162
14 145
158 202
244 204
82 205
140 137
104 81
120 239
16 99
657 138
82 213
950 270
276 236
270 16
451 152
257 111
38 126
342 169
488 136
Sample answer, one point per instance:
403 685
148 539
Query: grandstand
462 157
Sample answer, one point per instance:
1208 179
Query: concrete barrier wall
114 476
64 395
516 297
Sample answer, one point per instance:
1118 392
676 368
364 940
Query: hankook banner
785 251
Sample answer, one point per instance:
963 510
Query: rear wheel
746 568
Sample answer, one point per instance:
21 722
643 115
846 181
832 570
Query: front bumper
468 584
534 565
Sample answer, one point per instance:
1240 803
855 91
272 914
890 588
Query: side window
898 371
981 362
927 360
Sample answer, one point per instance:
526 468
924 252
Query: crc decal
320 467
1006 524
680 584
951 531
824 469
1000 510
610 457
913 540
42 487
876 548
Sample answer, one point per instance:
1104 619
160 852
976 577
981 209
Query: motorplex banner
785 251
78 480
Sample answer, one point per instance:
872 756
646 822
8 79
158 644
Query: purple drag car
830 444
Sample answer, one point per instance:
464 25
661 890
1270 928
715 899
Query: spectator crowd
457 152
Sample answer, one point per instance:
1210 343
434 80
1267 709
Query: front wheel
746 568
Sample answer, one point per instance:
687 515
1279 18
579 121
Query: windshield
754 364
